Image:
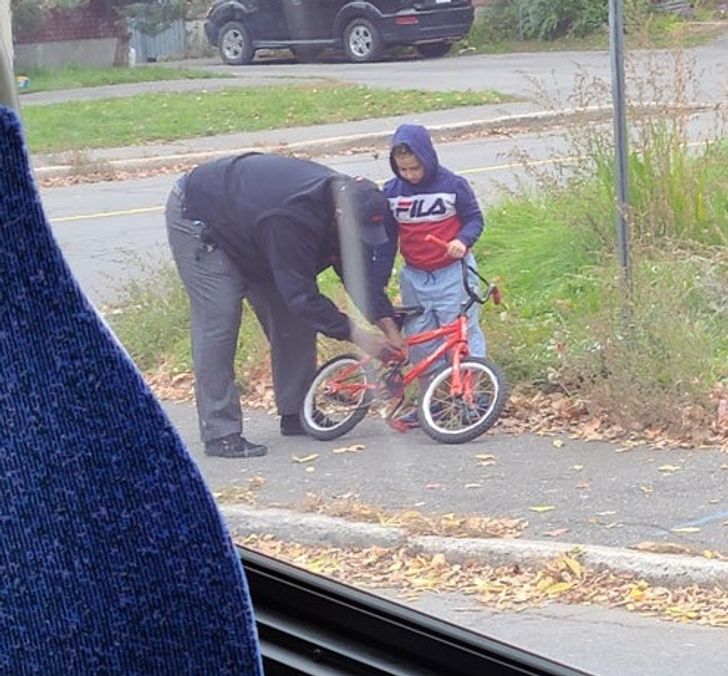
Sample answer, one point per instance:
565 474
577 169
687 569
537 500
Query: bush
551 19
655 365
539 19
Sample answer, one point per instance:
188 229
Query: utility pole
8 87
6 36
621 153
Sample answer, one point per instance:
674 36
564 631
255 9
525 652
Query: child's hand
456 249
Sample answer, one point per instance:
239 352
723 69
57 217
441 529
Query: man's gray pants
216 288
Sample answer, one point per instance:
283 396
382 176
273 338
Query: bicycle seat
404 311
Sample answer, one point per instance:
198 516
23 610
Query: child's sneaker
411 419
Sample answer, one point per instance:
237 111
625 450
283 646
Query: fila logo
432 207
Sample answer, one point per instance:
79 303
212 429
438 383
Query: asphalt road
109 231
596 494
518 74
597 640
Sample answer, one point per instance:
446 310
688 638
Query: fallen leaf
310 469
558 588
583 485
556 533
256 481
578 468
687 529
305 458
542 508
607 513
354 448
662 548
484 456
636 594
574 566
433 486
647 490
558 443
669 468
473 485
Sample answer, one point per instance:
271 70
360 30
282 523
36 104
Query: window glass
555 478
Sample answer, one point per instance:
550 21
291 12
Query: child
426 198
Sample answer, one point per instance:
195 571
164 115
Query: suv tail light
406 20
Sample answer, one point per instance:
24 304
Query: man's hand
392 332
456 249
376 346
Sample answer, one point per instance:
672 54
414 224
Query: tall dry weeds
661 367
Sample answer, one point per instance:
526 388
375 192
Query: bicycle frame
456 334
455 343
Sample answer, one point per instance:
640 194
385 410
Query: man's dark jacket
274 216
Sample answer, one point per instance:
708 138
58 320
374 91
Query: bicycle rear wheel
455 419
338 398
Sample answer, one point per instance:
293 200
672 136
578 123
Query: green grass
149 118
547 273
661 31
76 77
567 321
152 318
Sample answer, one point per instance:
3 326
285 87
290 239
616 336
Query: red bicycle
462 399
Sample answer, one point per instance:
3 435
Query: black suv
362 28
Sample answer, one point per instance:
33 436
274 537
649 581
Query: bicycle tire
432 418
357 411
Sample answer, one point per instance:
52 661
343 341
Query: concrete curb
337 144
669 570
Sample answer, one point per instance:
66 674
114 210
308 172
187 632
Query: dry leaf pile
509 588
526 412
241 494
90 171
416 523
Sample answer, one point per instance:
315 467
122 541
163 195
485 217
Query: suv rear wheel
362 41
432 50
235 46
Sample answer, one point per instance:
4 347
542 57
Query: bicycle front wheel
456 418
338 398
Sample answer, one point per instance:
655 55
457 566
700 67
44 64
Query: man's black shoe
291 424
234 446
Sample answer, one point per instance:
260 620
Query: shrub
539 19
551 19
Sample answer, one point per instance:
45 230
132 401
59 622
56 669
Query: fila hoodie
442 204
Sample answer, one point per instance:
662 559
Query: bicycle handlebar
492 291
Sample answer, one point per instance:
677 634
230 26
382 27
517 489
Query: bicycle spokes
337 397
461 399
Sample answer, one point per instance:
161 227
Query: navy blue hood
418 139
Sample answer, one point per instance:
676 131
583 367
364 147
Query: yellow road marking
106 214
476 170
